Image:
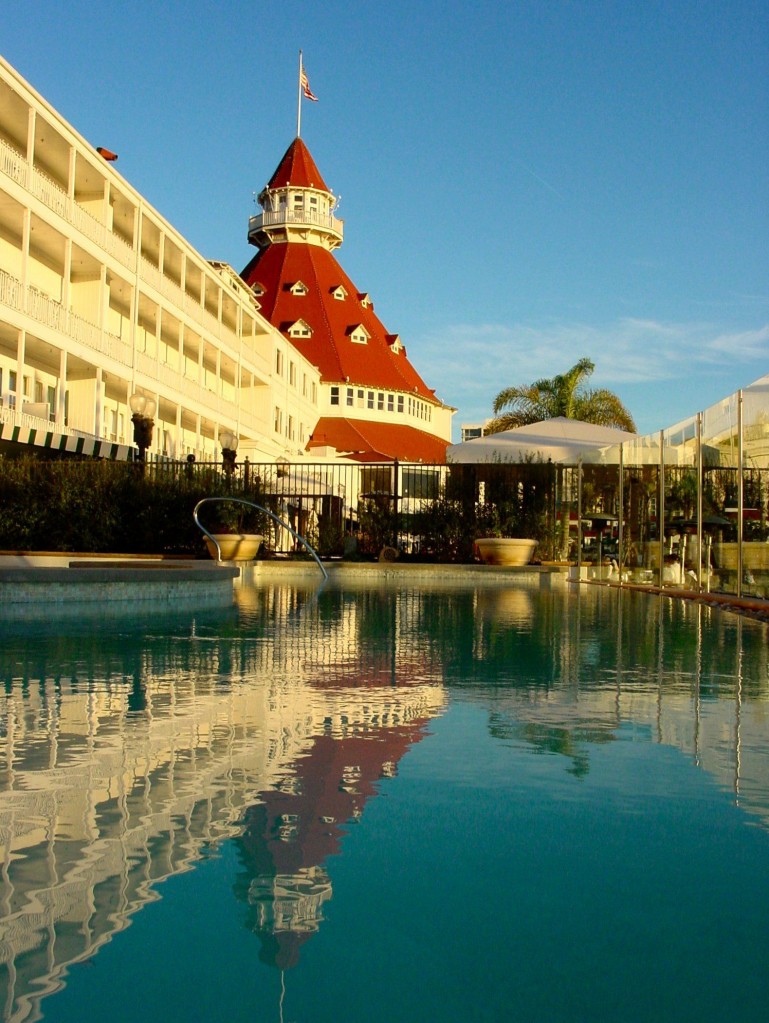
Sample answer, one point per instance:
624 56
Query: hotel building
104 306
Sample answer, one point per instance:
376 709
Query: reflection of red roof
331 348
378 442
297 168
334 779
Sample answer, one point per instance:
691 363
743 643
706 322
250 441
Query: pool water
387 804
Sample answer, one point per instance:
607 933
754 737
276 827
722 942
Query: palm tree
562 395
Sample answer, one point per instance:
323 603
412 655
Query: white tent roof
559 440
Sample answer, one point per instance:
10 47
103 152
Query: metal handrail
259 507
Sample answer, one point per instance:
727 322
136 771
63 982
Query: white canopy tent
560 440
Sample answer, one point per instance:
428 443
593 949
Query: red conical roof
297 168
339 359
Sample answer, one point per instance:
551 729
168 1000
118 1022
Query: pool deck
48 578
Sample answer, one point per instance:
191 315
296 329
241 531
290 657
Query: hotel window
380 401
370 399
278 420
279 363
400 403
302 437
304 385
360 398
390 403
290 428
292 374
314 393
350 396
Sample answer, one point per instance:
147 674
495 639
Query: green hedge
102 506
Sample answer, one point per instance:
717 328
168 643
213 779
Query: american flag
305 84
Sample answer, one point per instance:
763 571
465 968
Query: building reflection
124 758
125 755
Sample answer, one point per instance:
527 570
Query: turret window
350 396
299 288
380 401
334 395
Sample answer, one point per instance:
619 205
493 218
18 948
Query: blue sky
523 183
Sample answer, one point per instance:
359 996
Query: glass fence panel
720 496
755 489
640 530
677 556
600 552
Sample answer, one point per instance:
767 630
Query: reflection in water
126 755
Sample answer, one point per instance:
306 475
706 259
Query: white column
25 232
31 121
21 351
62 389
66 284
98 404
178 433
71 173
103 298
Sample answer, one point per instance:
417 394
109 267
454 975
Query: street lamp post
229 442
143 419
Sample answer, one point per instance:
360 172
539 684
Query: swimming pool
387 803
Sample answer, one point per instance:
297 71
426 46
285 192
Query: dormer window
339 293
358 334
300 329
258 289
299 288
365 300
394 341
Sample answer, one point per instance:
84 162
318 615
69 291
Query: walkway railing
261 508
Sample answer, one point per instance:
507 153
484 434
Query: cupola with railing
297 205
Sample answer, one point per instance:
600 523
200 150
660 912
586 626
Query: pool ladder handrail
259 507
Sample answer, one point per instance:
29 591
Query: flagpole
299 100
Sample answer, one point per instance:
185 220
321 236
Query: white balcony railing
11 291
276 218
13 164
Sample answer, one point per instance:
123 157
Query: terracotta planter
235 546
505 550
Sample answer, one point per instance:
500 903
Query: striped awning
43 437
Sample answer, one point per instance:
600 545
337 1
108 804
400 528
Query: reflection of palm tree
561 395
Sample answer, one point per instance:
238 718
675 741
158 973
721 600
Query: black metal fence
703 525
423 512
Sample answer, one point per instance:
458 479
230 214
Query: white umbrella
562 440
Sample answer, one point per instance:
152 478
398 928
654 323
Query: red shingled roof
297 168
378 442
331 349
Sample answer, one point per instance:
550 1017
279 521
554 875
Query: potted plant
499 543
234 528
